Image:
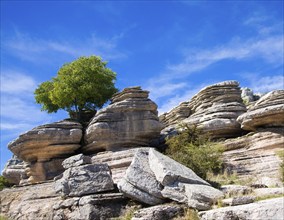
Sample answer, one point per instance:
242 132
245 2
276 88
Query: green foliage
195 150
4 183
281 155
84 84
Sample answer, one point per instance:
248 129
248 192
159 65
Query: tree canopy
84 84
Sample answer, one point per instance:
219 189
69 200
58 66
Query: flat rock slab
270 209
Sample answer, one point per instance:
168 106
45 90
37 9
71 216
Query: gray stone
159 212
235 190
200 197
14 170
84 180
268 111
269 192
238 200
270 209
76 160
135 193
168 171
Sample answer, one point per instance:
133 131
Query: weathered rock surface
248 95
129 121
14 170
270 209
76 160
215 109
254 156
40 201
85 180
268 111
236 190
140 182
118 161
263 192
200 197
168 172
152 177
159 212
45 146
241 200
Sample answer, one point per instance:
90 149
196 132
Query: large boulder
14 170
152 178
255 156
82 178
46 146
268 111
130 120
215 109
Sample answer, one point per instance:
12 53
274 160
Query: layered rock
214 109
46 146
14 170
268 111
266 209
152 178
254 156
129 121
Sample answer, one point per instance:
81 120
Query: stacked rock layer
131 120
214 109
46 146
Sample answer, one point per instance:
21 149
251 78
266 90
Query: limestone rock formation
45 147
268 111
81 178
14 170
152 177
118 161
266 209
248 96
214 109
158 212
129 121
254 156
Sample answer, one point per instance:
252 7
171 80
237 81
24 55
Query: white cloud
14 82
30 48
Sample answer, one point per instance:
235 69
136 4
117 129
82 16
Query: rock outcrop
45 147
215 109
129 121
254 156
267 209
152 178
268 111
14 170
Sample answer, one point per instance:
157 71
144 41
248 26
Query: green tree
4 183
84 84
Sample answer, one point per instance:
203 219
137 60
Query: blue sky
171 48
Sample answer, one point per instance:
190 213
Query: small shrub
4 183
195 150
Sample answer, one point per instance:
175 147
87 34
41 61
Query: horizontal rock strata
45 146
254 156
214 109
268 111
129 121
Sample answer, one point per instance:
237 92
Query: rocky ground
113 167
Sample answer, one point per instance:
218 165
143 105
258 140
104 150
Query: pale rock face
14 170
129 121
268 111
266 209
84 180
214 109
254 156
44 148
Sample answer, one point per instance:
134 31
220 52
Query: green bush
195 150
4 183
